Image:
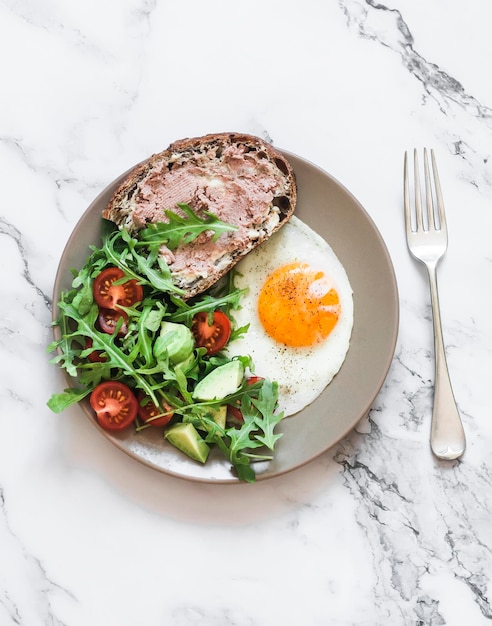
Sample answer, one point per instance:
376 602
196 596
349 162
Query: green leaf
84 298
244 470
154 317
181 230
184 312
60 401
268 420
159 279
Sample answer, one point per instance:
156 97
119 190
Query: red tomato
235 413
254 379
108 318
96 356
213 337
115 405
147 411
109 296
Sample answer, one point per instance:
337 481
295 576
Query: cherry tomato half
108 318
108 295
235 414
213 337
147 411
254 379
115 405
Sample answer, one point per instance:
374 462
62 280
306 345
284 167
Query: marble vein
200 616
386 26
454 539
11 231
394 33
21 604
42 17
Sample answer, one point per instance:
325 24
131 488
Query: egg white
302 373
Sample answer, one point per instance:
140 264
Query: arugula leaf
185 312
268 419
183 229
160 279
121 251
146 325
60 401
101 341
154 318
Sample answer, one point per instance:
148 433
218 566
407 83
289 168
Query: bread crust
238 177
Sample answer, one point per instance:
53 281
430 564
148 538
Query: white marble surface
374 532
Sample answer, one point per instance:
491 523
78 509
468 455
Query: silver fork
427 239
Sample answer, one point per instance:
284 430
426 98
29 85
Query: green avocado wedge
185 437
221 382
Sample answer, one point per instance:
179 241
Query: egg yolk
297 305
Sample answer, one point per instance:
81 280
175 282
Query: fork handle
447 435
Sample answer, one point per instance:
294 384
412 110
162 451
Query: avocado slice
221 382
176 340
185 437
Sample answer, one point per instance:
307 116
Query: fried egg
299 308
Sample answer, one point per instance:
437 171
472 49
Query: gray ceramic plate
334 213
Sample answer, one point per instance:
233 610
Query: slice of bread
239 178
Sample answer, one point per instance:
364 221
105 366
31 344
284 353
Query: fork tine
406 195
440 201
418 196
431 221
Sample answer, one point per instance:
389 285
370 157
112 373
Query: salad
146 357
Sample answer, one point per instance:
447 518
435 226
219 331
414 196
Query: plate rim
392 335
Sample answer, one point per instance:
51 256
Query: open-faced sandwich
240 179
